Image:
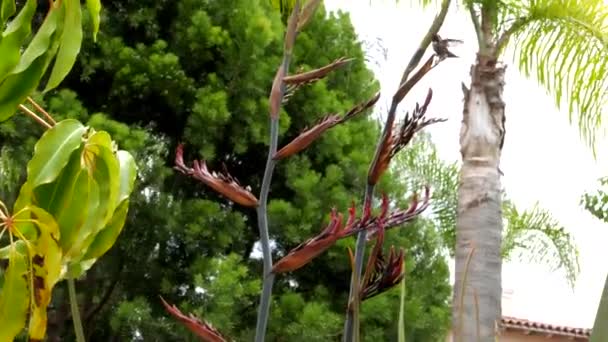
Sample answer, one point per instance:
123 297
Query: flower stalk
276 95
380 163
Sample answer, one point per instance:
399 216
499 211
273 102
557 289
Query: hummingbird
440 46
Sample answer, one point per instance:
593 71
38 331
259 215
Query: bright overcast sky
543 159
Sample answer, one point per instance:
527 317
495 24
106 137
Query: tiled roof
545 328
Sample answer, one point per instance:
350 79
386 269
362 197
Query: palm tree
564 44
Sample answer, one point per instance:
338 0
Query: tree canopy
198 72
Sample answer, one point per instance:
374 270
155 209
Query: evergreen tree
199 72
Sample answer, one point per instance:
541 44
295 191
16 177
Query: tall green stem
262 212
75 312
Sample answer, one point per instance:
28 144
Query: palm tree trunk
477 290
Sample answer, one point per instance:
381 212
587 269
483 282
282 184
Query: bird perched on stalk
440 46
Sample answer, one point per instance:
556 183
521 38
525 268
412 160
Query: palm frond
564 44
419 165
530 235
534 235
597 203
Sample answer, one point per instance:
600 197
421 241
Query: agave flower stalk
308 136
351 326
205 331
223 183
335 230
276 95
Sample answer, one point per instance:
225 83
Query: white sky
543 159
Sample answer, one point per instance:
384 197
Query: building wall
518 336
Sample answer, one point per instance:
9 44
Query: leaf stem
75 312
41 110
34 116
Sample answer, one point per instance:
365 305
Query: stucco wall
516 336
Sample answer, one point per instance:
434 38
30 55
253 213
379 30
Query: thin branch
106 296
41 110
34 116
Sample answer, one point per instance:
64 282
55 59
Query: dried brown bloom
384 275
204 330
307 13
316 74
292 24
308 136
413 124
220 182
380 164
305 252
400 216
405 88
381 274
395 139
276 93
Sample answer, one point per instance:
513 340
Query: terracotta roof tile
524 324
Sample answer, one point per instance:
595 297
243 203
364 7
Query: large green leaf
43 39
53 150
105 171
14 36
24 78
108 235
94 7
128 173
7 9
71 40
14 294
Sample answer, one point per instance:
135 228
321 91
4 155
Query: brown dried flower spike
202 329
222 183
307 137
312 248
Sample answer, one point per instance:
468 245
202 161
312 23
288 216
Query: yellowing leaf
45 262
14 294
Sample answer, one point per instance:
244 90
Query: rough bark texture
477 309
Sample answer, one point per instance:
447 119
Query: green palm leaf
564 45
529 235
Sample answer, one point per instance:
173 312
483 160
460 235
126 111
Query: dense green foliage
199 72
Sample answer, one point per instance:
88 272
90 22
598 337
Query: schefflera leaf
84 197
14 292
44 269
103 170
108 235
